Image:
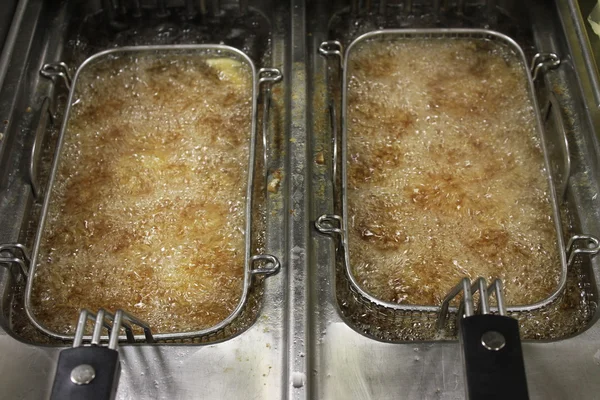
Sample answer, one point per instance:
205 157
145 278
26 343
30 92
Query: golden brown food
148 209
446 177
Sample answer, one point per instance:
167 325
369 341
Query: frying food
446 176
148 206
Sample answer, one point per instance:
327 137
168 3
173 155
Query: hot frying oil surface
446 175
148 208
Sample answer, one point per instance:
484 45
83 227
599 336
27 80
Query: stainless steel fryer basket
335 224
270 264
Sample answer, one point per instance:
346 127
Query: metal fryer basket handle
92 372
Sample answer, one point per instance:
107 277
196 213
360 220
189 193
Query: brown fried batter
445 175
148 210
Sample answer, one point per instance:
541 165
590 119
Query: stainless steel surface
589 42
563 174
6 14
350 365
10 32
299 369
300 346
251 363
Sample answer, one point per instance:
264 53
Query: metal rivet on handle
83 374
493 340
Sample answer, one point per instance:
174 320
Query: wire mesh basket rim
248 260
449 33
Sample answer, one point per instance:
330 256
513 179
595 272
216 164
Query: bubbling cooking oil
446 176
148 207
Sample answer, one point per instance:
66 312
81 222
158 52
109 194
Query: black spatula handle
89 373
493 358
